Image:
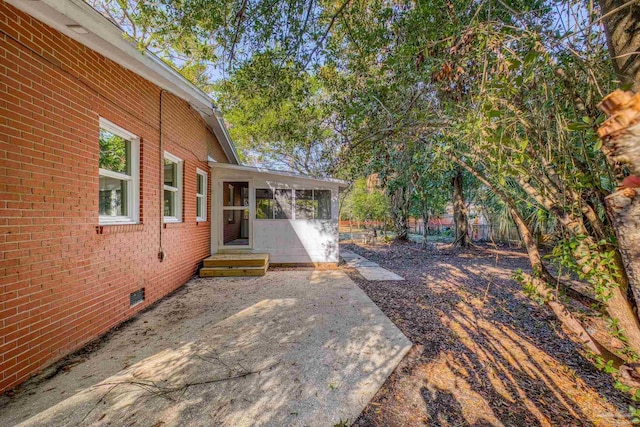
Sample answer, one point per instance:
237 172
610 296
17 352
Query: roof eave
108 39
340 183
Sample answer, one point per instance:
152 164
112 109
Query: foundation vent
136 297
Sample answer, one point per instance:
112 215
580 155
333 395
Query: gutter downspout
161 253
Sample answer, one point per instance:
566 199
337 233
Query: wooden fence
478 232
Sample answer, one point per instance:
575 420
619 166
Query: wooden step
237 260
233 271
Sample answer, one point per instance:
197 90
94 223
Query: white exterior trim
116 175
224 209
114 128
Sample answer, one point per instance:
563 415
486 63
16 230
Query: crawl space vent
136 297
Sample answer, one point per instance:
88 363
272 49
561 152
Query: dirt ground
484 354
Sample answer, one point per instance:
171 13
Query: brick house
117 178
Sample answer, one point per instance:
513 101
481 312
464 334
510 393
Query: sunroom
293 218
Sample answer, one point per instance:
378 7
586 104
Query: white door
236 218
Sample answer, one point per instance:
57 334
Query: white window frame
133 188
176 190
201 216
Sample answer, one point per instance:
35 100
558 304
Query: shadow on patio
290 348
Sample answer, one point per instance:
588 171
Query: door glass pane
115 152
264 203
236 227
112 197
236 193
304 204
283 207
323 204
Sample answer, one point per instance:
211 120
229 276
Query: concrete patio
299 348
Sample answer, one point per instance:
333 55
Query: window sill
113 228
125 222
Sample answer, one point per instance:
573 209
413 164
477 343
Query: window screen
278 204
304 204
264 203
322 204
283 208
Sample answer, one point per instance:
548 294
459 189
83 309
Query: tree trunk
621 20
460 218
588 256
402 230
621 134
400 212
350 229
541 278
402 227
425 222
624 209
535 259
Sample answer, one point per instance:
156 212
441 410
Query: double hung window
172 188
119 193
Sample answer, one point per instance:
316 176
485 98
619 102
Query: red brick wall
62 283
